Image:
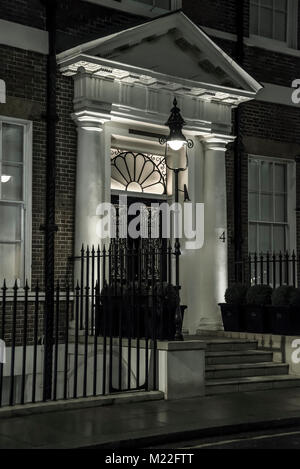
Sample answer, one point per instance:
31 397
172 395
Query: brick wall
65 176
216 14
25 75
271 67
77 21
26 12
80 22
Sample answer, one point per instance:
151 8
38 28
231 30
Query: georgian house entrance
120 299
124 86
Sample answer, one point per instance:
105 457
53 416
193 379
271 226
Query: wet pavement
283 438
140 425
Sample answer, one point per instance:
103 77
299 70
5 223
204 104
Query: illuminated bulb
5 178
176 144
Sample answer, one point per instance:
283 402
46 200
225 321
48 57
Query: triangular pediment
175 47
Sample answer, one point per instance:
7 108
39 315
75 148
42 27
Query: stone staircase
236 365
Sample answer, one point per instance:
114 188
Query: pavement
146 424
284 438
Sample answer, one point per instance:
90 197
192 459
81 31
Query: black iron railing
105 331
121 270
274 269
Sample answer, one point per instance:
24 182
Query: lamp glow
176 145
5 178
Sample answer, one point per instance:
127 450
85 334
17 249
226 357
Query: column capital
90 120
217 142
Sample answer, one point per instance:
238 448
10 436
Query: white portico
124 87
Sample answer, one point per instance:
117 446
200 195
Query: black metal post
50 227
238 150
178 317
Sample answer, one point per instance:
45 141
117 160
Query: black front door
145 244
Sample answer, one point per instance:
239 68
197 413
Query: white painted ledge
23 37
254 41
276 94
136 8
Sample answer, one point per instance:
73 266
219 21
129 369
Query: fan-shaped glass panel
138 172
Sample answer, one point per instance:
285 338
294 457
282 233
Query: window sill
272 45
133 7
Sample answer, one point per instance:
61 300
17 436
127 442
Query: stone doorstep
80 403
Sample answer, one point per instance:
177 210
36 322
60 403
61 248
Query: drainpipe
238 148
50 227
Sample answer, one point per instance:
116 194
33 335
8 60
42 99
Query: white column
214 268
191 264
92 178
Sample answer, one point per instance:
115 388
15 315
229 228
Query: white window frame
27 194
133 6
291 198
291 31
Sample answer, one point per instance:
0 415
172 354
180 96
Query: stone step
255 383
230 345
242 356
241 370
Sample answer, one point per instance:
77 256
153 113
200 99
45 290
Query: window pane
279 239
266 3
265 238
252 238
280 5
266 177
280 178
10 265
163 4
266 22
267 208
280 208
12 183
253 175
253 207
254 19
12 142
10 222
280 26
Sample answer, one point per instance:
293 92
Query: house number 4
223 237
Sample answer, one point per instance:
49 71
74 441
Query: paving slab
142 424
